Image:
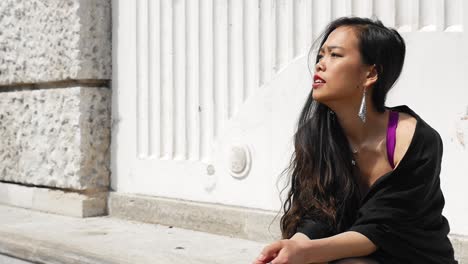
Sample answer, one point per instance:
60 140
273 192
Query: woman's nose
319 66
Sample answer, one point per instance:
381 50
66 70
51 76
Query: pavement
38 237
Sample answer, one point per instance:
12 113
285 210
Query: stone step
11 260
28 236
47 238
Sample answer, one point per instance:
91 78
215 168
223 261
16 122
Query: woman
365 177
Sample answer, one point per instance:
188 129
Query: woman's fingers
265 260
272 248
269 253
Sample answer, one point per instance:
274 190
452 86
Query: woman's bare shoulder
404 135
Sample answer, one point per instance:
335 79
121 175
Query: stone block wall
54 40
55 99
56 137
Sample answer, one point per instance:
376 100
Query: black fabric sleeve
372 231
403 214
313 229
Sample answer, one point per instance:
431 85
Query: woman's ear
372 76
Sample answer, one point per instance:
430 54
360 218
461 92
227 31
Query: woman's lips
317 81
317 85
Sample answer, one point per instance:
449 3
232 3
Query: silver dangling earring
363 109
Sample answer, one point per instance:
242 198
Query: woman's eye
319 57
335 55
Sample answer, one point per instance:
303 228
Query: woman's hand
301 250
283 251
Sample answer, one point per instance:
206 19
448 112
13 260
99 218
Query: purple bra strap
391 136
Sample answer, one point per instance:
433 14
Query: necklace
355 151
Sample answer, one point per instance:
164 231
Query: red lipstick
318 81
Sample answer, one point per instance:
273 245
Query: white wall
192 79
433 84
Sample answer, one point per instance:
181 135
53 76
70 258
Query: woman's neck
360 134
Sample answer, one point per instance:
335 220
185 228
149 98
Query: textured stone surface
53 40
460 245
47 238
56 137
10 260
224 220
256 225
53 201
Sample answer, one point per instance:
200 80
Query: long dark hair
323 184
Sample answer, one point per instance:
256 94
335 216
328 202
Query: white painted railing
198 60
195 81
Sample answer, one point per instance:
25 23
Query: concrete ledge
4 259
52 239
53 201
460 245
218 219
231 221
39 251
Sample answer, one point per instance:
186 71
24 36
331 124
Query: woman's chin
322 99
317 96
324 96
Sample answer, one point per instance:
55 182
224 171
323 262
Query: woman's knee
355 261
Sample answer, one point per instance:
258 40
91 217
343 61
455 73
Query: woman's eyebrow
331 47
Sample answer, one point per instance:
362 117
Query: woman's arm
300 236
299 249
303 237
349 244
343 245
